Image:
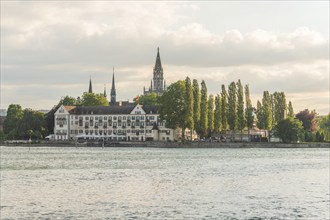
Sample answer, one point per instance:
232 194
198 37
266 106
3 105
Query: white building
131 123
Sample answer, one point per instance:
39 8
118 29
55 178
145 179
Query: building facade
157 84
130 123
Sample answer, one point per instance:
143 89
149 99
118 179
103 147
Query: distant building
130 123
157 84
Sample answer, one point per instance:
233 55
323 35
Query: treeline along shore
165 144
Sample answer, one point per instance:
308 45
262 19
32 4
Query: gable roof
111 110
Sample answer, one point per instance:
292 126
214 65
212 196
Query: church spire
158 75
105 91
113 89
90 90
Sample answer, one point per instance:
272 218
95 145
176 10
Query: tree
249 109
241 122
290 110
308 119
11 123
69 101
279 107
289 130
232 107
197 104
260 116
217 114
204 110
224 108
267 111
324 124
92 99
189 106
173 106
32 125
210 114
147 99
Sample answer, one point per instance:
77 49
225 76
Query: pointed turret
90 90
158 75
113 89
105 92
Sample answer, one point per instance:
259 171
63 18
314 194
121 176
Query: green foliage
249 109
147 99
172 105
69 101
224 108
324 124
232 107
217 114
92 99
189 105
290 110
211 114
28 123
279 107
267 111
289 130
11 123
196 103
204 110
241 122
2 136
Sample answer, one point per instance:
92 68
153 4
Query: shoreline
168 144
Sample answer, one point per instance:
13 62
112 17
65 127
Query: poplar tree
241 122
211 114
267 111
217 114
279 107
196 104
224 108
232 107
189 106
260 116
204 110
249 109
290 110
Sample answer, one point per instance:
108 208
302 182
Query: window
133 118
114 118
86 118
105 118
96 118
124 118
142 118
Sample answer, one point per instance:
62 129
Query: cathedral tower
113 90
157 83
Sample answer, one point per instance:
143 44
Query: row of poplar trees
185 105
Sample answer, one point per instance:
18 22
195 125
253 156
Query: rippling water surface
174 183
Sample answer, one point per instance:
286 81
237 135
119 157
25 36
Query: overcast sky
49 49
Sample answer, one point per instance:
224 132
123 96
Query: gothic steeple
90 90
105 91
113 89
158 77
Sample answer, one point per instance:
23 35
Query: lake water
157 183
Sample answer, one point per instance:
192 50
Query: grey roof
111 110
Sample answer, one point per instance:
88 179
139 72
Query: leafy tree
325 127
147 99
232 107
279 107
92 99
217 114
289 130
69 101
211 114
197 104
11 123
32 125
241 122
260 116
189 105
267 112
224 108
290 110
249 109
204 110
173 106
308 119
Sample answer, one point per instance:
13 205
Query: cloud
58 45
